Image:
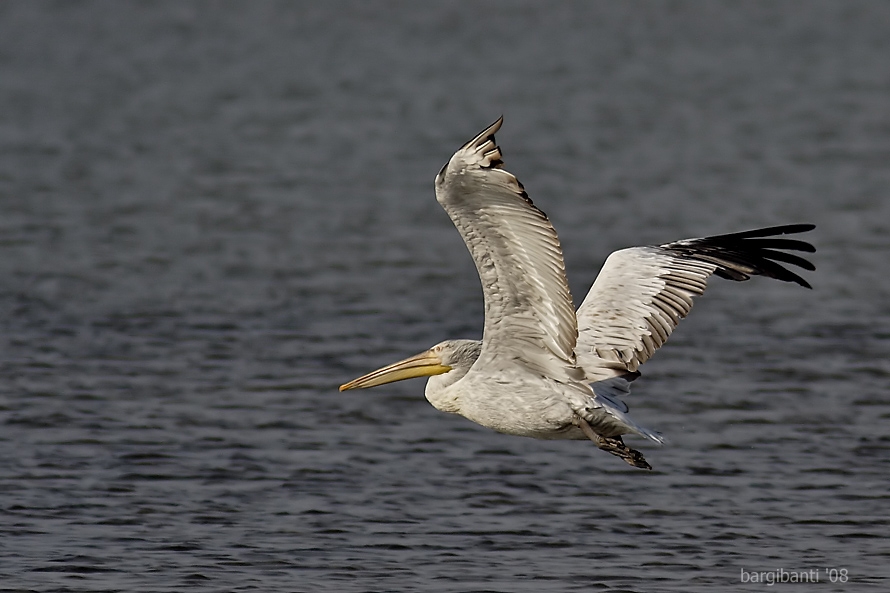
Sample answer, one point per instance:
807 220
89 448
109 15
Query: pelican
542 369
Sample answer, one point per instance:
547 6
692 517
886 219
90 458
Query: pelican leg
614 445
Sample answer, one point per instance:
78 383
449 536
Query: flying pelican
543 370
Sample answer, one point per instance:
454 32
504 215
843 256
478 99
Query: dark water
212 214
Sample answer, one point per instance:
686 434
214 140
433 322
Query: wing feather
642 293
529 315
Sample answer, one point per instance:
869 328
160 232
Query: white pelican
543 370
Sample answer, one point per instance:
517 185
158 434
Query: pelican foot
614 445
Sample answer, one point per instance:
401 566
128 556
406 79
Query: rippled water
212 214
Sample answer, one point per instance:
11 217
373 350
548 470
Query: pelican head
451 358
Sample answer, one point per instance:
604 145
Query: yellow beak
424 364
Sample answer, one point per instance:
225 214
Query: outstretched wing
529 317
642 293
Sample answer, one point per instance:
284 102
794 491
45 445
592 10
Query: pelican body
542 369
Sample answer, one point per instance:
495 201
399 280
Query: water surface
215 213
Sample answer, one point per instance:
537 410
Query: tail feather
608 393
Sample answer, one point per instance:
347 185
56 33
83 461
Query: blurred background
214 213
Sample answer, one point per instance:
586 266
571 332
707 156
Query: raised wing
529 317
642 293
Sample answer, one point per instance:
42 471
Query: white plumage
542 370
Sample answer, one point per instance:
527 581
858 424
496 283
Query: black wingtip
755 252
785 229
